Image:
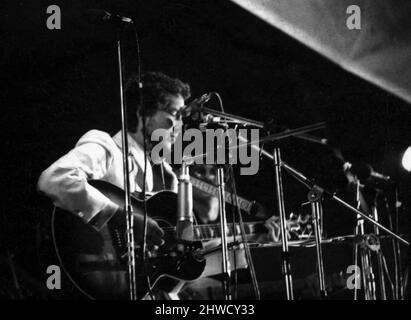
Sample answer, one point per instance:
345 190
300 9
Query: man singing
98 156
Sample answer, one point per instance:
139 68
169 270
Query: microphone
184 227
308 137
192 114
364 171
195 105
102 16
198 103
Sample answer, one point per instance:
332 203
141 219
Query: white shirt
95 156
98 156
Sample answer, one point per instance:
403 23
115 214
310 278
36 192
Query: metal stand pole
314 197
381 278
399 289
245 244
223 226
127 198
367 273
357 243
286 269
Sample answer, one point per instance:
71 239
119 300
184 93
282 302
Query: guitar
243 203
96 261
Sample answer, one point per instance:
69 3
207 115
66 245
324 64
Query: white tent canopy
380 51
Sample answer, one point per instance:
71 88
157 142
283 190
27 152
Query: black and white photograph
218 152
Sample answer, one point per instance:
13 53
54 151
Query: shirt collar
138 154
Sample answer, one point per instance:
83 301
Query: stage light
406 159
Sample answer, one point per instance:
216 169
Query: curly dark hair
156 88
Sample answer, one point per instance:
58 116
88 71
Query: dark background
57 84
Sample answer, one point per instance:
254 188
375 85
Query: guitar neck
230 198
213 231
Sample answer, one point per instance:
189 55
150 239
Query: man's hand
274 229
154 232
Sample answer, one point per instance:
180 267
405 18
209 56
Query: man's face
165 118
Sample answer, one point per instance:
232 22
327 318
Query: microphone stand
367 272
223 230
316 208
127 197
315 205
285 255
185 217
305 180
380 262
300 177
277 167
398 285
314 197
